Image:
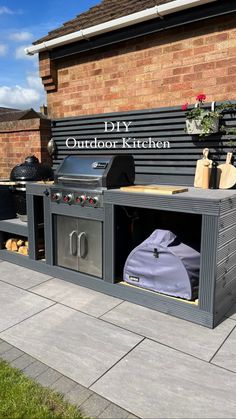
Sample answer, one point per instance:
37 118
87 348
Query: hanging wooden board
227 173
155 189
201 172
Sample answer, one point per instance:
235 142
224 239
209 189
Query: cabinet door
66 242
90 247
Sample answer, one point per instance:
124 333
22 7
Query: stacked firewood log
19 246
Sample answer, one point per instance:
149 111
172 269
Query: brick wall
164 69
20 139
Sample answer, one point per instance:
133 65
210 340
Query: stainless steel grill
81 181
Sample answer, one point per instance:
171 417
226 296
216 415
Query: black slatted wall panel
174 165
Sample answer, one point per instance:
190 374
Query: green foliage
207 118
21 398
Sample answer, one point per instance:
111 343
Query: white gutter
111 25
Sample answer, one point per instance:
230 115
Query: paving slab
78 395
11 355
16 305
21 277
232 312
63 385
154 381
77 345
94 406
4 347
48 377
23 361
79 298
226 356
113 411
180 334
35 369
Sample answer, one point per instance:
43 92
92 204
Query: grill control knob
78 200
56 196
68 198
93 200
81 199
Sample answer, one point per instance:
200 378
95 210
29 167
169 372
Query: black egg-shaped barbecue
29 171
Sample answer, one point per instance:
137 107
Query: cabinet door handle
82 245
73 242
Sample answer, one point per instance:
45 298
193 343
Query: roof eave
125 21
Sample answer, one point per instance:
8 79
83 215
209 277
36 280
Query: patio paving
21 277
115 359
76 297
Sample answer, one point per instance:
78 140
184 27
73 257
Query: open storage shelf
134 225
14 226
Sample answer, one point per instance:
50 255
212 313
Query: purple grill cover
172 270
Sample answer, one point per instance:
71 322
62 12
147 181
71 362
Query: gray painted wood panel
225 287
174 165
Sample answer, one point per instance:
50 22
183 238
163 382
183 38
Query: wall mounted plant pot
194 126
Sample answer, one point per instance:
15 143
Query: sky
21 23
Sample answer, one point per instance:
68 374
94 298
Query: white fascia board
122 22
178 5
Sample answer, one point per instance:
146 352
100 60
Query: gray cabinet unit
216 218
217 282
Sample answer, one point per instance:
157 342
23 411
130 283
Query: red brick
164 69
216 38
18 139
182 70
203 49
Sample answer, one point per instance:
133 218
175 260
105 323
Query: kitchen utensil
227 173
201 164
215 175
206 174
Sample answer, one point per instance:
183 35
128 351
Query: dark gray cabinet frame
217 290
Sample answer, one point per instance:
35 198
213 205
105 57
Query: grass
21 398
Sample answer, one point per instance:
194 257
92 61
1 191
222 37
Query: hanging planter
205 125
201 121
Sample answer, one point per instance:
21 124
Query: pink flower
185 106
201 97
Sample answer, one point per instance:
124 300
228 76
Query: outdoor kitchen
140 200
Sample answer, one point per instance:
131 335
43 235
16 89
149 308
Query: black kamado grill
29 171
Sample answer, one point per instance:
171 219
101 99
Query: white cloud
30 96
21 55
3 50
34 81
5 11
18 96
21 36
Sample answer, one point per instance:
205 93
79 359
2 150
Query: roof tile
103 12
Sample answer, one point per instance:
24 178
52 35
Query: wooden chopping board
155 189
200 168
7 183
227 173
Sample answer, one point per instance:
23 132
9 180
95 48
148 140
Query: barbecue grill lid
98 170
31 170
